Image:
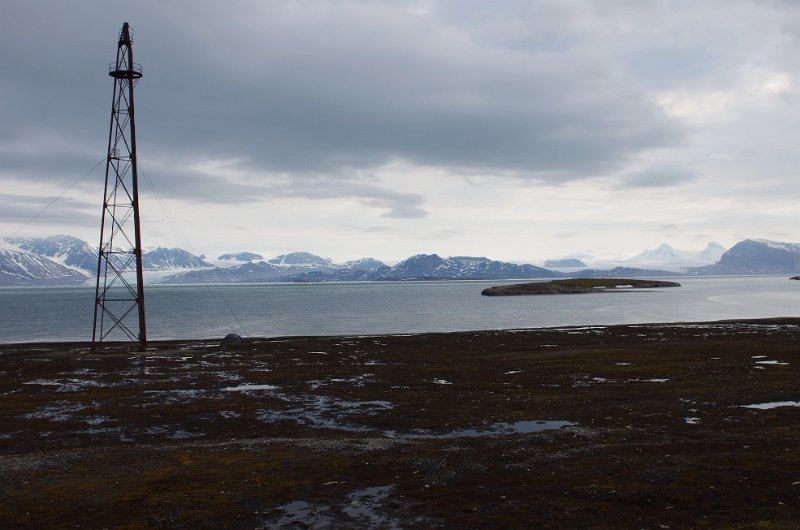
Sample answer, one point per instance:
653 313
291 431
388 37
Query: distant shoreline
212 342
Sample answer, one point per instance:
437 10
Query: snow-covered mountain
564 263
248 272
667 257
300 259
241 256
305 267
363 264
19 267
295 266
664 253
710 255
432 266
66 260
756 256
63 249
162 259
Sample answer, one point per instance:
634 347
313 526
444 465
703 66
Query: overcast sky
516 130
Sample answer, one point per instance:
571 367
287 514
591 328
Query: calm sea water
48 314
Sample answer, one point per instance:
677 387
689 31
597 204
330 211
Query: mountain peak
163 258
756 256
711 254
20 267
241 256
664 252
300 259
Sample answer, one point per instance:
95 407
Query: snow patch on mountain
777 245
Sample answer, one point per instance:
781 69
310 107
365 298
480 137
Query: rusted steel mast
119 297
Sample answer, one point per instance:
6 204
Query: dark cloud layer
21 210
421 120
316 87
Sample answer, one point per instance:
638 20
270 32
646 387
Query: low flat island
575 286
637 426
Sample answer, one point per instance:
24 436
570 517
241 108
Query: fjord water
266 310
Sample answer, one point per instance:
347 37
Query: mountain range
755 256
665 254
67 260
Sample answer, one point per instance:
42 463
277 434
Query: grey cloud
199 186
430 97
23 209
38 160
657 177
401 205
195 186
405 212
547 90
303 86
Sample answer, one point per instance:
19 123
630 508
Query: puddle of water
772 405
101 430
495 429
364 504
362 508
325 412
96 420
301 514
775 363
177 434
249 388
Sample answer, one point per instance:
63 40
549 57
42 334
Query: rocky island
575 286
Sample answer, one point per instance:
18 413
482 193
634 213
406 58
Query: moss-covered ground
410 431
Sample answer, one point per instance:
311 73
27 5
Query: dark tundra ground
653 426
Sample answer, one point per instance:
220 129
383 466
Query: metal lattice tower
119 299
